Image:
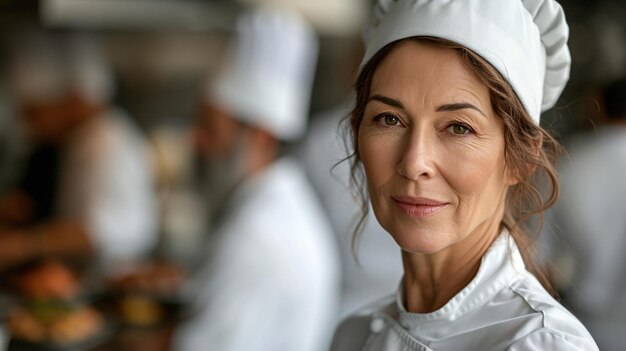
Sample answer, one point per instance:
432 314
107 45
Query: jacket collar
500 266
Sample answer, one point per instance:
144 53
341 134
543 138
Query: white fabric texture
106 181
525 40
269 74
271 282
585 233
503 308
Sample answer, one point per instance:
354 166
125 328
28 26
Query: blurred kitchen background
162 51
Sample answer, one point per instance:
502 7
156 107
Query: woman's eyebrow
459 106
446 107
386 100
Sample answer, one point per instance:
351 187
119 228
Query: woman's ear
513 177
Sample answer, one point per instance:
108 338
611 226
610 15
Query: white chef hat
525 40
269 76
45 66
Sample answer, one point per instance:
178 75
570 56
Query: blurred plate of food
49 279
146 295
55 325
51 309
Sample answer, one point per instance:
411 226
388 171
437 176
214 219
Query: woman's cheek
469 166
379 153
371 161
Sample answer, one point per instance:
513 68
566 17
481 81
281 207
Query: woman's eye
459 129
389 120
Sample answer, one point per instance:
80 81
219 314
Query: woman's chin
426 242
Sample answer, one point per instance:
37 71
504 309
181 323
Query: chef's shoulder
559 328
554 340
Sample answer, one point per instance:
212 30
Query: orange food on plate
49 280
141 311
54 324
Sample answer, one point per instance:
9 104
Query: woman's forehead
418 68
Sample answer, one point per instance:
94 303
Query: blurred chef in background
86 189
586 229
271 276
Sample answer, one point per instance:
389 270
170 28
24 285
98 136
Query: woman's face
432 149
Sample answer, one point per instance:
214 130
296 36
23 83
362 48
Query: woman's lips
418 207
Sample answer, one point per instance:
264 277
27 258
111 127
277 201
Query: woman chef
446 129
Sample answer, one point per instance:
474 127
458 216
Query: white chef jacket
503 308
586 233
106 181
272 282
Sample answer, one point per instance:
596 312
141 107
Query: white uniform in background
105 177
106 181
272 281
586 233
379 267
503 308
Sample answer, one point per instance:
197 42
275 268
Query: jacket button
377 325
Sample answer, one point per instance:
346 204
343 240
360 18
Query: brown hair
530 151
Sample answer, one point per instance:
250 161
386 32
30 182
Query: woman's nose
418 156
